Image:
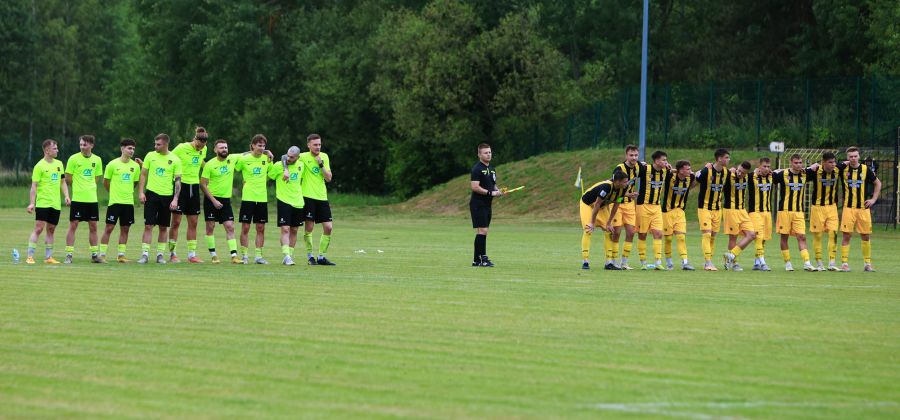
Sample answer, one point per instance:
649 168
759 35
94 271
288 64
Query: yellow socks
817 245
786 254
668 244
760 247
626 249
706 246
682 245
804 253
832 245
586 245
867 251
845 253
642 249
657 249
608 245
736 251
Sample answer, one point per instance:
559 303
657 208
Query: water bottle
15 255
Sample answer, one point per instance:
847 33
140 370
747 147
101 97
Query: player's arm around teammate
254 167
316 210
857 179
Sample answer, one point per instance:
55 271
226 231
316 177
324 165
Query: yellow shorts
674 221
625 215
649 217
737 221
790 223
709 219
762 224
585 211
859 219
823 218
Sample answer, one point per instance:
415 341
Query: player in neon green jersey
84 169
254 168
316 172
119 179
216 182
289 198
192 154
44 202
161 175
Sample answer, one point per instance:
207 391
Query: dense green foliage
414 331
401 90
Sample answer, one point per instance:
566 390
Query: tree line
400 90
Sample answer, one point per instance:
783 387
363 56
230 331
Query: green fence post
597 109
569 129
872 112
666 116
808 114
758 111
858 109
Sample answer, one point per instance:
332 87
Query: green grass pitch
414 331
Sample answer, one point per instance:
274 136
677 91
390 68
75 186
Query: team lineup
171 184
649 199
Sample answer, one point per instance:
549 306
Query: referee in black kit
484 189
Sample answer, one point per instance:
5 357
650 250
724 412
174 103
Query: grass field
414 331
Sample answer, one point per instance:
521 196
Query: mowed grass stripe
415 332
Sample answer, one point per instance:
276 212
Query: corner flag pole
642 130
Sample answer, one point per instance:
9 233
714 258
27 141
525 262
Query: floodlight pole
642 130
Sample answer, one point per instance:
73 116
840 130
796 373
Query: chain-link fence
811 113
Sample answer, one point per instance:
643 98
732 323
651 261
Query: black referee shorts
481 214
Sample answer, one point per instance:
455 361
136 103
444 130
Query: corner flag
579 182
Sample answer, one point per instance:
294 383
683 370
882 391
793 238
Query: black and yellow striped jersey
602 190
676 191
759 193
858 184
712 182
652 182
824 186
735 191
632 172
791 189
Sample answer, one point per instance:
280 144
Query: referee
484 188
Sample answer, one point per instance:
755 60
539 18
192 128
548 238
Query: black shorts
221 215
156 210
318 211
481 214
47 214
254 212
188 200
289 215
85 212
122 213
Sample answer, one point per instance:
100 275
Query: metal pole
858 109
872 114
597 109
643 122
808 116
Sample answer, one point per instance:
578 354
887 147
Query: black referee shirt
486 176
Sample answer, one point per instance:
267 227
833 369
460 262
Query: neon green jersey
313 176
191 160
84 172
288 191
161 172
220 174
122 176
255 171
48 175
